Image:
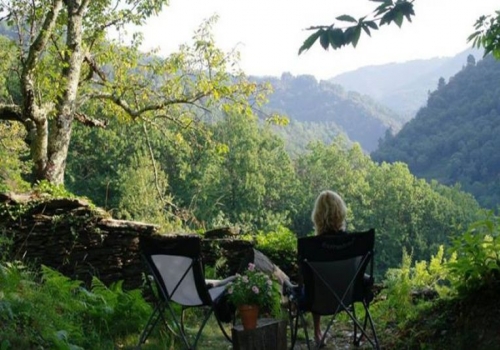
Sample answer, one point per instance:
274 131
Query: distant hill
455 138
404 87
330 110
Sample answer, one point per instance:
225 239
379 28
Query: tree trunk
270 334
60 129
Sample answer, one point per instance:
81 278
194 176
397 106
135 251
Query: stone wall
82 241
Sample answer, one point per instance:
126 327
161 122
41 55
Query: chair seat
177 270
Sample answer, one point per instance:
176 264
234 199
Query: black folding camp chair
177 270
333 269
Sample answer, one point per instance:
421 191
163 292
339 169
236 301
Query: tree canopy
62 69
453 139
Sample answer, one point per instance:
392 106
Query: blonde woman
329 217
329 213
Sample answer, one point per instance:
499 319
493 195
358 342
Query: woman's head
329 213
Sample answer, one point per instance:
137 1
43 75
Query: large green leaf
371 24
347 18
337 38
324 39
309 41
398 19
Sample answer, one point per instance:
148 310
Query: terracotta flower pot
249 315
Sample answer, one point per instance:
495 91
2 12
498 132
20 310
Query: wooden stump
270 334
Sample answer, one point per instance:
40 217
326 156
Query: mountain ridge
304 99
454 138
404 86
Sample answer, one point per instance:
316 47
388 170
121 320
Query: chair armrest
289 285
368 280
290 288
218 283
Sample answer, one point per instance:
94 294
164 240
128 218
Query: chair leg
198 335
150 325
304 326
355 340
375 343
363 328
223 330
179 325
294 326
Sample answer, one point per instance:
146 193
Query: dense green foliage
58 313
478 260
454 138
330 109
240 174
466 313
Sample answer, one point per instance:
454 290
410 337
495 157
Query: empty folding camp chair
333 269
177 270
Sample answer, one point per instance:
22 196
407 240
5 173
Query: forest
190 143
453 138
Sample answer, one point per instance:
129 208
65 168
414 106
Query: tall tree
67 71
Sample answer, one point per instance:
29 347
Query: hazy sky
268 33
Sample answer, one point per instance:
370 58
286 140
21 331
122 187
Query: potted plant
252 292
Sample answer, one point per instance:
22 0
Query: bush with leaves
478 256
58 313
280 246
402 284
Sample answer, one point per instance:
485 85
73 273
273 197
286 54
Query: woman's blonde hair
329 213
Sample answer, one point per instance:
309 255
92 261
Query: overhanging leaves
309 41
324 39
387 12
487 34
346 18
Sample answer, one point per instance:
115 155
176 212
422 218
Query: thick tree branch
149 108
89 121
44 35
94 68
83 7
11 112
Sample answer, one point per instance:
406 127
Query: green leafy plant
54 190
411 284
254 288
478 256
55 312
280 246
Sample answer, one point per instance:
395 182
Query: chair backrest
333 269
177 268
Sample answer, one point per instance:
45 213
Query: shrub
478 256
280 246
58 313
402 284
